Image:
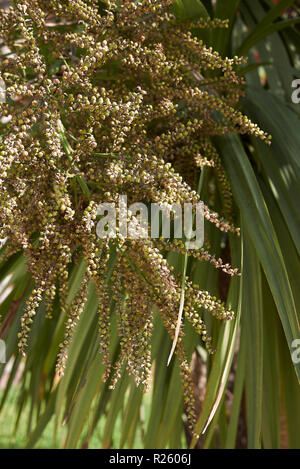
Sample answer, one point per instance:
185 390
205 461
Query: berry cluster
104 99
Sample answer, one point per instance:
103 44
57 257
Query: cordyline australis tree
113 98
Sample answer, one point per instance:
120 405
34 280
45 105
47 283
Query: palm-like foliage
251 380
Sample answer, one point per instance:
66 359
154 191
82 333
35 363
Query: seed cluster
104 99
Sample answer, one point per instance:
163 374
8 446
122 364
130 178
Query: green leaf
222 360
131 416
252 335
42 422
266 26
190 9
271 424
291 396
239 382
83 404
261 231
225 9
280 161
78 341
